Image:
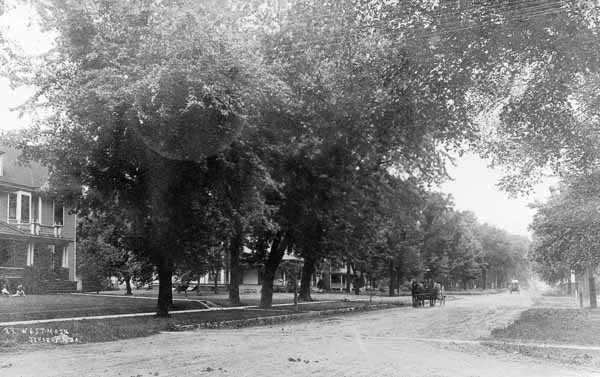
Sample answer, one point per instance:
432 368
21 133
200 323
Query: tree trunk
266 290
308 269
127 278
198 283
296 293
483 278
569 288
165 287
235 269
278 247
592 283
216 281
356 280
348 277
392 278
327 277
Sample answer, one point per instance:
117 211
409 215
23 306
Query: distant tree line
441 244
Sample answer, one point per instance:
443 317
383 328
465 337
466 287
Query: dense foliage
203 128
566 232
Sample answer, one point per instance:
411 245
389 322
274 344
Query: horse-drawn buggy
422 292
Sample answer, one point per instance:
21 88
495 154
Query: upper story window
19 207
36 209
58 213
25 208
13 200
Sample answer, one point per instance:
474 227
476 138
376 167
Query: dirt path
383 343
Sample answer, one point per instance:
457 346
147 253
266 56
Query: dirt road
397 342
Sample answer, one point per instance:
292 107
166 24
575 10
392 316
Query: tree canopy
309 127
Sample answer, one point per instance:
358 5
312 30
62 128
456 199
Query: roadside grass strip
147 314
488 342
563 334
115 327
270 320
89 330
553 325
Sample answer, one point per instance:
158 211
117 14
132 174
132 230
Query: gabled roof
31 175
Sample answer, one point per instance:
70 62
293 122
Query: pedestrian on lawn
20 291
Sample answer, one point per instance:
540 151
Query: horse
414 290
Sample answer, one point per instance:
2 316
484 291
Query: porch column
30 254
39 210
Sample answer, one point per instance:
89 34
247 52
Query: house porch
39 266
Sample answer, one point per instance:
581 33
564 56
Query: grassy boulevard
14 337
554 321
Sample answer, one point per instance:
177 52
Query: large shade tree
137 96
366 99
566 231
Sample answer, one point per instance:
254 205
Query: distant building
334 277
37 234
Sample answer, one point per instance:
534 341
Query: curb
270 320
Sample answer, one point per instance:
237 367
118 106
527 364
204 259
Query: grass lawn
39 307
253 299
246 300
554 325
63 306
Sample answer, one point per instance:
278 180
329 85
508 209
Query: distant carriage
422 293
513 286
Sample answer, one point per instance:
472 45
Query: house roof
292 257
30 175
7 229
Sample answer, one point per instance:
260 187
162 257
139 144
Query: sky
474 184
10 99
18 26
474 188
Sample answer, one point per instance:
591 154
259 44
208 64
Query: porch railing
38 229
12 272
46 230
